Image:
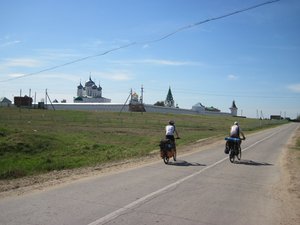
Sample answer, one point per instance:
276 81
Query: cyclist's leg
226 151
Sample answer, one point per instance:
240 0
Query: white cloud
57 54
9 43
166 62
21 62
120 77
45 78
42 58
294 88
116 76
94 44
15 75
163 62
232 77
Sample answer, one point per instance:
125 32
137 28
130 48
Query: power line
145 42
208 20
234 95
68 63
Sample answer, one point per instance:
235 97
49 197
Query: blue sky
250 57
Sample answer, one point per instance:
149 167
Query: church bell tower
169 102
233 109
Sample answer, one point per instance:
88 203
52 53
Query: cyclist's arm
243 135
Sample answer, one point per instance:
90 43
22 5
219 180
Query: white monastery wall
114 107
109 107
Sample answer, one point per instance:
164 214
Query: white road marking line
120 211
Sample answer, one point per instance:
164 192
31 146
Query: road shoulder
288 189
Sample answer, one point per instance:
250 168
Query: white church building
90 93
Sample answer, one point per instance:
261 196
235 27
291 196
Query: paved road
202 188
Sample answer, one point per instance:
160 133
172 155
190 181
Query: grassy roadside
288 189
293 166
38 141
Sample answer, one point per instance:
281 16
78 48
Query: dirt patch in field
15 187
288 190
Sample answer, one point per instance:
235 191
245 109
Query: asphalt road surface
201 188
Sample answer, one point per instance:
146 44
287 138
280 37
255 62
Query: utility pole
261 114
49 100
29 97
20 101
142 94
46 98
34 99
280 114
129 96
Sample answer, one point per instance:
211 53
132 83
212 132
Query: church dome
80 86
89 83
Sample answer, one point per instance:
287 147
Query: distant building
276 117
202 109
90 93
134 98
198 107
233 109
23 101
169 102
5 102
136 104
212 109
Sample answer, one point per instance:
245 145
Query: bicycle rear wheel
239 155
174 156
166 159
231 156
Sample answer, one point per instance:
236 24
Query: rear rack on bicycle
232 139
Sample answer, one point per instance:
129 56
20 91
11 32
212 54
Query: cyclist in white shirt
170 130
235 132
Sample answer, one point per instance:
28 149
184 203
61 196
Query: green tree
159 103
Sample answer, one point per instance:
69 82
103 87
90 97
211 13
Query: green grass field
37 141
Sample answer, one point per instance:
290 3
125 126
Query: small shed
5 102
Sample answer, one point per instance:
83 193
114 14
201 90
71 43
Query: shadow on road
184 163
252 163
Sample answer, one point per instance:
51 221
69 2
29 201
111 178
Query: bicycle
235 151
167 150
